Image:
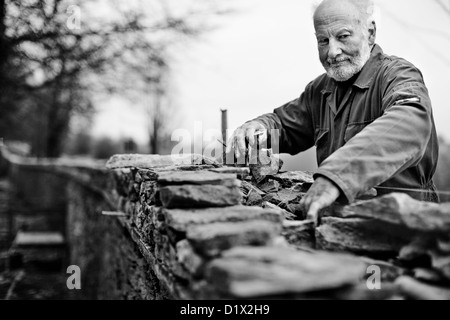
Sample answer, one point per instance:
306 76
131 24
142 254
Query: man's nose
334 49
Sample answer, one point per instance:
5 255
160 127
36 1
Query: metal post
224 133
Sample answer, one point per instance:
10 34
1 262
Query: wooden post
224 133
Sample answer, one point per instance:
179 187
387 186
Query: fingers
240 144
251 135
313 213
237 142
322 194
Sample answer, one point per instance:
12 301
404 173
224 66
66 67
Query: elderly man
369 116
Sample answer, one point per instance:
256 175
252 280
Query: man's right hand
246 132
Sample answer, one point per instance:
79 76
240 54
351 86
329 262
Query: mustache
338 59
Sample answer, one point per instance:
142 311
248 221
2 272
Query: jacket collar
367 74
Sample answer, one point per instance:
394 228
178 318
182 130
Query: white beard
349 68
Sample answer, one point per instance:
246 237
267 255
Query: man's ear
372 33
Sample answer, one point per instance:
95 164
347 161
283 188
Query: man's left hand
322 194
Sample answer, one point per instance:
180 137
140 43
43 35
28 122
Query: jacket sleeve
394 142
291 125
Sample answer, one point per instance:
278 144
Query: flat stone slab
153 161
269 186
211 239
360 235
401 209
254 199
153 173
239 171
284 196
288 179
271 271
248 187
203 196
287 215
263 164
197 178
300 234
180 220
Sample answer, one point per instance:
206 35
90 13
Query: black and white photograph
223 157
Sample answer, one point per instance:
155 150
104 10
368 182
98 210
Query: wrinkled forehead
331 22
343 14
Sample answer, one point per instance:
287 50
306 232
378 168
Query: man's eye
344 36
323 42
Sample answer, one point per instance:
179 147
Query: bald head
361 11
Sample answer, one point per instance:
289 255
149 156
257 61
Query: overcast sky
265 55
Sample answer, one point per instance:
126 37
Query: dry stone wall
214 232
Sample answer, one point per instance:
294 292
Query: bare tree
48 72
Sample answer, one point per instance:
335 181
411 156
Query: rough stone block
360 236
401 209
291 178
300 234
210 240
286 214
147 175
193 196
270 271
155 161
254 199
181 220
197 178
263 164
148 192
283 197
248 187
269 186
297 210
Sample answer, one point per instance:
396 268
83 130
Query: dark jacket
382 134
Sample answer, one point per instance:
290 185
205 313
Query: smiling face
344 38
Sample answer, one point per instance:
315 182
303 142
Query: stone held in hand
264 163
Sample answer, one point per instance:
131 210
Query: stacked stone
188 219
282 190
396 227
202 243
186 214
